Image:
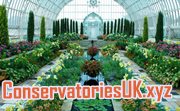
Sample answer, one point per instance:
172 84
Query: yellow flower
143 85
153 102
29 102
167 108
39 79
10 108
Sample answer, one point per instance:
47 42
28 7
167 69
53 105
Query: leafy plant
92 105
92 68
92 51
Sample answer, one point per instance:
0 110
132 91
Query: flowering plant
93 51
109 50
75 49
92 68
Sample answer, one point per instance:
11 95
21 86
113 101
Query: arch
93 25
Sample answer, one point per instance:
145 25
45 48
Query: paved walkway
173 103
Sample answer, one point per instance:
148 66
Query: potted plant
92 68
93 51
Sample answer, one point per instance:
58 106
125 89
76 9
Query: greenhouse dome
90 55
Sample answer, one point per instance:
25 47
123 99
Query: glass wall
79 9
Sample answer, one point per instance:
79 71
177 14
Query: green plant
4 36
119 26
54 28
77 31
122 25
30 32
82 30
163 69
112 71
92 68
160 28
112 27
115 26
43 29
105 28
109 50
141 105
145 31
92 105
108 27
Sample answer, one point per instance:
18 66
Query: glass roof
77 9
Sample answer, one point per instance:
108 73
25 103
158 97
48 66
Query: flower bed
163 69
25 65
17 48
172 50
66 72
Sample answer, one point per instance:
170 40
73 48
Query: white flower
55 77
48 77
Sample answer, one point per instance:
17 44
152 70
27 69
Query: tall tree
4 34
111 27
133 28
104 28
71 28
115 26
82 29
122 25
43 29
145 31
30 31
159 30
108 25
54 28
77 31
119 26
74 26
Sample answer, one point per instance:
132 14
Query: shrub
77 28
159 30
30 32
145 31
93 51
82 30
92 68
104 28
43 29
4 37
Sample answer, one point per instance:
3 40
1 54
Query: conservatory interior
90 43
